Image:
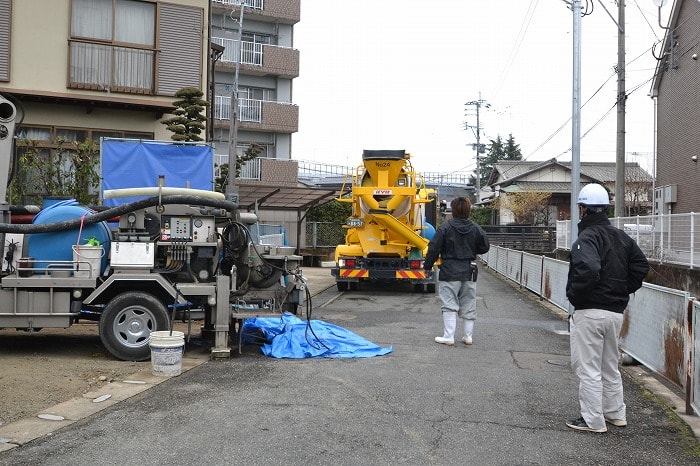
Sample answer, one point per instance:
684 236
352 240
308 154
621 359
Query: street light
216 51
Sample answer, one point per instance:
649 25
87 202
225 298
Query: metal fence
324 234
667 238
660 329
522 237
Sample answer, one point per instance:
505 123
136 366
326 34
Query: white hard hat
593 194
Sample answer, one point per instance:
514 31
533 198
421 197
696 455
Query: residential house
675 88
554 177
84 69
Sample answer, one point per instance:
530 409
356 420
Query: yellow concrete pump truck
387 234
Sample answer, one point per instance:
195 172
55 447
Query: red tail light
415 264
350 263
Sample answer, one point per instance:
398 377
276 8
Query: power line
516 46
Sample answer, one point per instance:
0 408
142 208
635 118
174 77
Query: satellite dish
659 3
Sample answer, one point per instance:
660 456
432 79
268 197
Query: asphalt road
503 400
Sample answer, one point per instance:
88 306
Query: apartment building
263 66
83 69
675 88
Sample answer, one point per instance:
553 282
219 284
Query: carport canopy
298 199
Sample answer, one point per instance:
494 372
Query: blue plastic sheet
290 337
137 164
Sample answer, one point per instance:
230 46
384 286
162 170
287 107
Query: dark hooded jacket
606 266
457 241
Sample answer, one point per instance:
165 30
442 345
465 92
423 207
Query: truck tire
342 286
127 322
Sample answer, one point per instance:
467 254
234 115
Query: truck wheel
430 287
342 286
354 286
127 322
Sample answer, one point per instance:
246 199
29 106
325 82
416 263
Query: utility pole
621 100
576 119
620 103
477 104
231 186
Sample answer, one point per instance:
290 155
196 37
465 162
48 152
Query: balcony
110 68
258 59
264 171
258 115
282 11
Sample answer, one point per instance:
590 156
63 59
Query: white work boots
449 320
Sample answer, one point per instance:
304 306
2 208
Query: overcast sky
396 74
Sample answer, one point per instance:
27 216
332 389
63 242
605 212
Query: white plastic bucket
166 352
87 260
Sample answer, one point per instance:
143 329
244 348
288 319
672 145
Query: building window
112 45
60 161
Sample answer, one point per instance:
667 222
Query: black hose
116 211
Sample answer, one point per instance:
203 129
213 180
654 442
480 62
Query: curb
56 417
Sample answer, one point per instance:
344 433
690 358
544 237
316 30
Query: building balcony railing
256 4
257 58
282 11
110 68
250 169
258 115
263 170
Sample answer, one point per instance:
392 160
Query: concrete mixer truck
387 233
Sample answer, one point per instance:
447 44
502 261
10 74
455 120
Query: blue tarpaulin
290 337
137 164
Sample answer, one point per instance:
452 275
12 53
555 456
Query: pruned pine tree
188 120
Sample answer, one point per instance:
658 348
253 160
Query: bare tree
528 207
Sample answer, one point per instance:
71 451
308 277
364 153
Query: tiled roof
604 172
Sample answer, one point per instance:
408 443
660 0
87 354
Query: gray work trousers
459 297
594 360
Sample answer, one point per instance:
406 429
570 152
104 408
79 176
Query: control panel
184 228
174 228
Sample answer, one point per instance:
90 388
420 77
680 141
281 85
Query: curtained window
113 45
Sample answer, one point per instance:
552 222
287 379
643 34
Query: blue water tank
428 230
58 246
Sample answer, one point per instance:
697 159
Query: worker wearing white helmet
606 266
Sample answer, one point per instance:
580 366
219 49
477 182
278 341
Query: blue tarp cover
288 337
137 164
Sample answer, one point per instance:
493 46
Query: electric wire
516 46
602 118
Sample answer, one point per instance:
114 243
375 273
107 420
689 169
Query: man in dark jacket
457 242
606 266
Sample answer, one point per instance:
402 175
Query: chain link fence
324 234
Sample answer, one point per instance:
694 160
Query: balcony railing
107 67
248 109
250 170
251 53
256 4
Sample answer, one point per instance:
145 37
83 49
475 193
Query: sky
396 74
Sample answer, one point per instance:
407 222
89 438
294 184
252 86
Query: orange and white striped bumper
353 273
410 274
